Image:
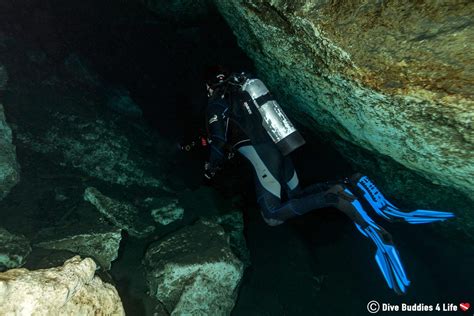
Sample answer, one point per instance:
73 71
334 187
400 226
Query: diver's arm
217 136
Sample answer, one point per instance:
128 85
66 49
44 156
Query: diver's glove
209 171
387 256
390 212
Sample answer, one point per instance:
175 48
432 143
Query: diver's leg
275 212
266 170
290 178
273 209
293 187
268 187
317 187
267 201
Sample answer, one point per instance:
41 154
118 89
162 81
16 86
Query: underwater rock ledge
101 243
392 77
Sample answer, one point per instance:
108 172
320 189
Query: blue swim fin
392 213
387 256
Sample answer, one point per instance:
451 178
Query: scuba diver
242 116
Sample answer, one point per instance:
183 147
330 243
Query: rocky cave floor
76 89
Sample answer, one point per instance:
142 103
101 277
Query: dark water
315 265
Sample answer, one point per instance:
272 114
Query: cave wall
393 77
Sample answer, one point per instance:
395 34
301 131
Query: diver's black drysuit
235 123
233 126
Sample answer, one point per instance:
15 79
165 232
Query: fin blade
390 212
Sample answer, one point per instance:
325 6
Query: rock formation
68 290
233 224
393 77
121 214
9 168
109 157
193 271
98 243
165 210
13 250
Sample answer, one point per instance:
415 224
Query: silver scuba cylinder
274 120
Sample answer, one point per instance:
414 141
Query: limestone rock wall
394 77
68 290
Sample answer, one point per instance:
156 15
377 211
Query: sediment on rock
109 156
71 289
165 210
194 271
100 244
121 214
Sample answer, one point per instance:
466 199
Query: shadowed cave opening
306 266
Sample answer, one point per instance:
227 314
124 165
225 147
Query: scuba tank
274 120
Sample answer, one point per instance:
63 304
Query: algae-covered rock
71 289
393 77
121 214
193 271
165 210
98 148
9 168
102 245
13 249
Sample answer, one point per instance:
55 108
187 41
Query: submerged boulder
193 271
68 290
100 244
233 224
121 214
392 77
13 250
9 168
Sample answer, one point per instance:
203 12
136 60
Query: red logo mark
464 306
